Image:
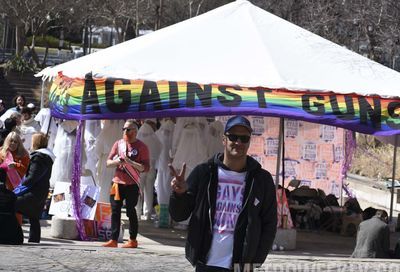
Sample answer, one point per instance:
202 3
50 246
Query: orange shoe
130 244
111 243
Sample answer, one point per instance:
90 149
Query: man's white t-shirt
228 206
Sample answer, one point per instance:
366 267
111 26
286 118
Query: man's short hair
26 110
15 115
10 123
133 123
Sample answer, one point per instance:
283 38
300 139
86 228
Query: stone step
14 84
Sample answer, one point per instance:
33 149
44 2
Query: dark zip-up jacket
256 224
37 179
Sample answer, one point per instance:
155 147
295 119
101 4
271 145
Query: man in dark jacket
10 230
232 204
373 237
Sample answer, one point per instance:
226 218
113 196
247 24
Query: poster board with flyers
314 153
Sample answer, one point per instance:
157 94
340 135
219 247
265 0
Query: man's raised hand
178 183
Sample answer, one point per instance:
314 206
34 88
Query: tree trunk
46 52
85 38
19 41
159 12
190 8
90 39
33 41
126 30
137 19
199 7
32 52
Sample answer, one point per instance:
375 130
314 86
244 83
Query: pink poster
294 151
256 146
325 152
310 131
272 128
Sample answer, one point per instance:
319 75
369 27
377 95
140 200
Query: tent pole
42 96
282 138
282 132
393 176
278 159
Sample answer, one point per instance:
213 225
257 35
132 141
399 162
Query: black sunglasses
243 138
127 129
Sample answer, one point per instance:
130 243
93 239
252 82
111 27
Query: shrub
373 159
20 65
42 41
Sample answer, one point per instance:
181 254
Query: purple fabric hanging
349 149
76 182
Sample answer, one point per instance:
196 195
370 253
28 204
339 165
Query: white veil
191 148
163 180
216 130
147 135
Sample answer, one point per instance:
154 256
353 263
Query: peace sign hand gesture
178 182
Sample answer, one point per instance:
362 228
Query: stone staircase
12 84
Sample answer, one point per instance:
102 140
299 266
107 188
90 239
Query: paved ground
162 250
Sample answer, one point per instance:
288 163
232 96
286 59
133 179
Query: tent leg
279 156
396 139
282 138
42 96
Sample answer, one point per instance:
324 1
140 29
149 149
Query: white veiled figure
92 130
48 125
147 135
163 180
110 133
203 127
64 150
28 128
190 150
180 122
215 131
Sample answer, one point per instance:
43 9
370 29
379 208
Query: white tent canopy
238 44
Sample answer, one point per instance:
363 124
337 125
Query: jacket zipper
209 201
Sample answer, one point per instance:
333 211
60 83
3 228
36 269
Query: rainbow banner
113 98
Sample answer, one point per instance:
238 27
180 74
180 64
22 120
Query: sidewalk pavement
163 250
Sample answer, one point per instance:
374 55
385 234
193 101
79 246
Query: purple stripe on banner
271 112
76 183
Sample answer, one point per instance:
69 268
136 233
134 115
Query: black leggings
131 194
